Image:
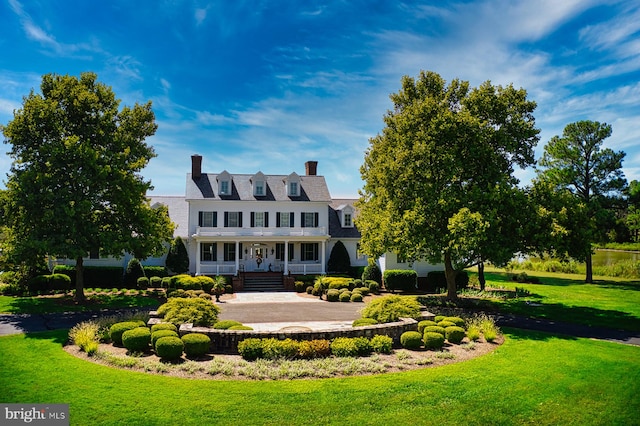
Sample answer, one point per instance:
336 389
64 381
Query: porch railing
261 232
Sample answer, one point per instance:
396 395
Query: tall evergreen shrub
339 260
178 258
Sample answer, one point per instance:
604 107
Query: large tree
576 162
444 158
75 183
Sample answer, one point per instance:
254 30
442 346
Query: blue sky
268 85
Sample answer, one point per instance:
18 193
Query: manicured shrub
155 271
308 349
372 273
59 282
445 323
133 272
436 280
166 282
434 329
433 340
169 347
177 292
345 296
94 276
411 340
439 318
142 283
177 259
164 326
155 282
456 320
336 282
356 297
196 311
356 283
205 296
400 279
137 339
381 344
206 283
425 323
454 334
279 349
49 283
196 344
391 308
116 330
225 324
339 261
300 286
333 295
362 290
344 347
240 327
161 333
363 346
250 349
361 322
310 289
373 286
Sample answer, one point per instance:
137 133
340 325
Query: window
280 251
293 189
229 252
285 220
308 251
348 223
208 219
292 185
208 252
258 189
259 219
224 187
233 219
309 220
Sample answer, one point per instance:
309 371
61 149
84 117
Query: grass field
534 378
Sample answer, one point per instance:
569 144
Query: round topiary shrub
142 283
196 311
362 290
169 347
300 286
308 349
363 346
333 295
454 334
310 289
445 324
250 349
344 347
361 322
196 344
161 333
178 292
434 329
391 308
433 340
381 344
356 297
166 282
456 320
240 327
345 296
411 340
137 339
164 326
439 318
225 324
423 324
373 286
116 330
155 282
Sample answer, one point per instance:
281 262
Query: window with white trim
309 220
309 252
233 219
258 188
280 251
259 219
348 221
207 219
229 252
224 187
293 189
285 220
208 252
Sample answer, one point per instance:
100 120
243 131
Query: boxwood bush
456 320
161 333
372 273
454 334
344 347
391 308
400 279
433 340
116 330
155 282
345 296
142 283
169 347
279 349
445 323
373 286
361 322
137 339
250 349
425 323
434 329
226 324
196 311
300 286
240 327
196 344
363 346
411 340
333 295
381 344
356 297
318 348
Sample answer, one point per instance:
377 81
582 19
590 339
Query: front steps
263 282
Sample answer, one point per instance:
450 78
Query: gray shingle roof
312 188
335 227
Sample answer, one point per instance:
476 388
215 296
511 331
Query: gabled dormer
259 184
345 213
224 183
292 182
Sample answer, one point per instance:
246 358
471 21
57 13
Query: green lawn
610 302
534 378
40 305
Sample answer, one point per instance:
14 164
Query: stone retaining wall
226 341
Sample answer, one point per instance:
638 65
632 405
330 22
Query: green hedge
169 347
137 339
116 330
49 283
400 279
196 311
411 340
95 276
433 340
196 344
437 281
161 333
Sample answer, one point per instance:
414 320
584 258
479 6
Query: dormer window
224 183
259 183
347 220
346 212
292 183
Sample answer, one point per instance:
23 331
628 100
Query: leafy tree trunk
589 267
481 278
79 296
450 274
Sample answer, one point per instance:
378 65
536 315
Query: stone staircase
263 282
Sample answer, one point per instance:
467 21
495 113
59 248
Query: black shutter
278 220
291 256
240 253
253 219
266 219
292 219
199 218
215 219
315 220
302 220
240 219
226 219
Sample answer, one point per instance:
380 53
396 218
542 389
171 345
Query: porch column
323 255
237 256
286 257
198 257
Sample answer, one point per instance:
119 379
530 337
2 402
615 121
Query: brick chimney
311 168
196 166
